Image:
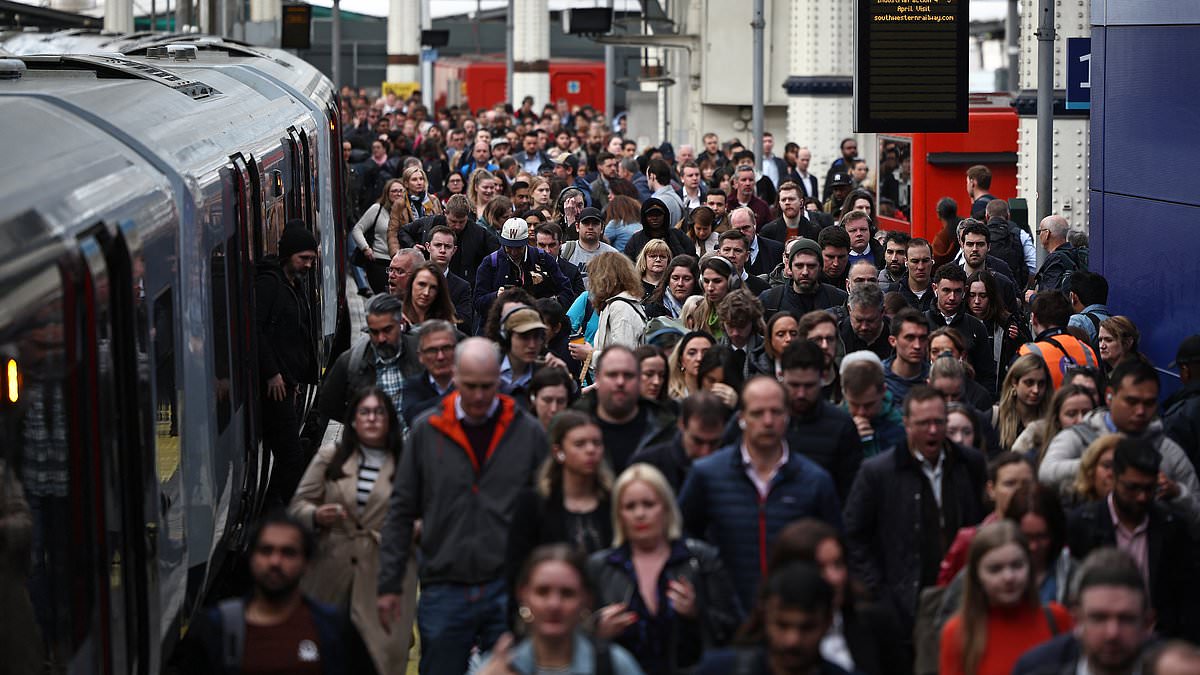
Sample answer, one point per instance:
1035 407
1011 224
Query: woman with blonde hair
482 187
539 194
1118 339
661 596
1067 408
652 265
1095 478
1024 398
1001 616
372 239
416 202
616 293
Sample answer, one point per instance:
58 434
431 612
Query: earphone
561 457
742 424
504 334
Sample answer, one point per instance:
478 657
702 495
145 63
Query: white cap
515 232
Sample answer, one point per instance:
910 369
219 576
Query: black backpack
1004 242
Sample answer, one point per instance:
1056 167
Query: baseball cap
523 320
661 326
840 178
500 140
590 213
1189 351
515 232
571 161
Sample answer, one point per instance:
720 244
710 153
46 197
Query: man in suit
808 181
441 245
764 254
773 168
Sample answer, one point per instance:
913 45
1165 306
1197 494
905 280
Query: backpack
637 307
1094 343
233 633
1004 242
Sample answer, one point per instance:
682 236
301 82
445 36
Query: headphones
735 280
505 336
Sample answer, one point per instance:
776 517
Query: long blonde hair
1085 478
974 609
1050 422
648 474
1010 407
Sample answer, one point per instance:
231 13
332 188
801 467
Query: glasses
438 351
372 412
656 256
397 271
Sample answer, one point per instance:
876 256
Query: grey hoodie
1061 463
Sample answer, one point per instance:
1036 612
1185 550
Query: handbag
358 258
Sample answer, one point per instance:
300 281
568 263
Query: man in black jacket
627 421
950 284
698 435
287 356
817 429
441 245
793 218
763 254
865 326
1061 261
917 286
549 238
435 350
1133 520
907 504
805 293
1181 412
475 241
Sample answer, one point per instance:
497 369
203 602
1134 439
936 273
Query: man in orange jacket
1060 350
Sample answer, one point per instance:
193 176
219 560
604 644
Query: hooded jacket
676 240
284 321
1061 463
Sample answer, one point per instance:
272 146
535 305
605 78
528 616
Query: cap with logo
500 140
840 178
523 320
515 232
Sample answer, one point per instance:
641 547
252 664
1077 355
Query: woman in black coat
569 502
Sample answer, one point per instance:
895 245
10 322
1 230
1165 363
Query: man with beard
386 357
793 218
895 260
797 610
805 293
742 495
286 358
628 423
1134 521
835 256
277 629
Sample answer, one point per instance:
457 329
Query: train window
220 329
49 595
238 288
166 401
894 177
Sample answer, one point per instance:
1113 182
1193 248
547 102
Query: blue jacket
497 270
720 504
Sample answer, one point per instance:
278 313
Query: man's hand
863 424
276 389
388 606
328 514
555 362
368 253
1167 488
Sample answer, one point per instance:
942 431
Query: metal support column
335 64
508 55
758 24
1012 38
1045 109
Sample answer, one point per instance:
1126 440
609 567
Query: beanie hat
803 244
296 238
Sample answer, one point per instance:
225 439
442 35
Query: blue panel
1096 230
1151 116
1150 280
1096 152
1145 12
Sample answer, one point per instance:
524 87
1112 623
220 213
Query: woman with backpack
1001 616
616 292
554 596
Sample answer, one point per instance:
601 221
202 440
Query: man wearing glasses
386 357
1063 258
437 339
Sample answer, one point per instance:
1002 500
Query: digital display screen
910 70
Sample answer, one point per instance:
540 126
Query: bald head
1056 228
477 353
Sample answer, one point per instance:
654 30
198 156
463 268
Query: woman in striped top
345 494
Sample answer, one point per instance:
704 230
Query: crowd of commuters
628 410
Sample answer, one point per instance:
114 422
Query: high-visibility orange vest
1061 353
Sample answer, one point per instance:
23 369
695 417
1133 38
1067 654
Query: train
143 179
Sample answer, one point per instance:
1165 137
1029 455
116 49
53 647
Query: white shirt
461 414
763 486
834 647
933 473
770 170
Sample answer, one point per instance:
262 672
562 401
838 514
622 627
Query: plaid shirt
389 378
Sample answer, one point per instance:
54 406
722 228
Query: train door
124 460
247 240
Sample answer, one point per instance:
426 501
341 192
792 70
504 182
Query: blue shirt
583 659
575 314
1084 323
898 385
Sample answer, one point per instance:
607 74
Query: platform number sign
1079 73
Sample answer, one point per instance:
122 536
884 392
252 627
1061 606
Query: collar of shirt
508 375
461 414
948 319
438 388
754 249
380 361
1138 531
762 486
